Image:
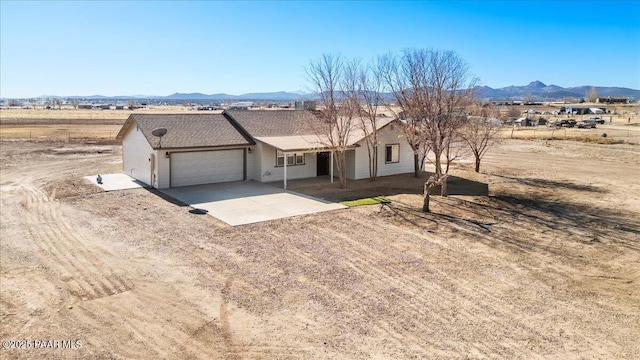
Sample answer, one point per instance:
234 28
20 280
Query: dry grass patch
71 187
59 132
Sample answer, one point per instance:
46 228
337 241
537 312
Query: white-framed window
291 159
279 158
392 153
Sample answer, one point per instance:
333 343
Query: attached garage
206 167
186 149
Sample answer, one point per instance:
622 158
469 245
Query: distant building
306 105
584 110
506 102
612 100
241 105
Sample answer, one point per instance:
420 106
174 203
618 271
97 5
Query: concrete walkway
246 202
111 182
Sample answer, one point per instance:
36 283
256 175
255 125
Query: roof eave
173 148
125 127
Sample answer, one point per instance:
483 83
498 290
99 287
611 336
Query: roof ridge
239 127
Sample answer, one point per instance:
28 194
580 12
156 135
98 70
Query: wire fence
631 136
82 135
45 121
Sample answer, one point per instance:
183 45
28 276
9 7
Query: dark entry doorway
323 163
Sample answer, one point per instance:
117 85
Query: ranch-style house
259 145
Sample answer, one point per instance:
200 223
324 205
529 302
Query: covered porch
288 147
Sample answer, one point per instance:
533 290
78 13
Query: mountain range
536 90
540 91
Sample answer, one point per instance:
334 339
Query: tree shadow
461 186
385 186
543 183
525 224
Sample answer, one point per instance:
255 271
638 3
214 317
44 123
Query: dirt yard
547 266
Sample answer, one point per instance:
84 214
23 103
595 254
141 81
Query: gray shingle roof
232 128
276 122
190 130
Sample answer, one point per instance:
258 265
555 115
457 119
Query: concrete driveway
246 202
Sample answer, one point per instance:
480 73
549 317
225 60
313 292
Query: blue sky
158 48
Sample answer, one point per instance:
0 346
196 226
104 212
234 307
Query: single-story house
259 145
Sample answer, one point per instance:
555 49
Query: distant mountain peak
539 91
536 84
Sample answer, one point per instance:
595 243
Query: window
279 158
392 154
291 159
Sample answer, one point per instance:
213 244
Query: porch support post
285 171
331 167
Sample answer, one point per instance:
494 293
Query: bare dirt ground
547 266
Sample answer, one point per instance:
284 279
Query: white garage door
206 167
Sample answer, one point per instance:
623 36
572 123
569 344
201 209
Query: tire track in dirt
417 291
454 284
401 289
84 275
225 325
496 305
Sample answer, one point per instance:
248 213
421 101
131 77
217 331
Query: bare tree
397 77
448 91
591 95
369 95
481 132
433 88
454 144
332 79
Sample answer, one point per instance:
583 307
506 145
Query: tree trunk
443 186
416 164
340 159
372 176
375 162
477 164
428 185
425 202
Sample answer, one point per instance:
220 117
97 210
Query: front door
323 163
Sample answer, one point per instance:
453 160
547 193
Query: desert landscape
546 266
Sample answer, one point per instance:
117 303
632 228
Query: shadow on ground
543 183
383 186
517 222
